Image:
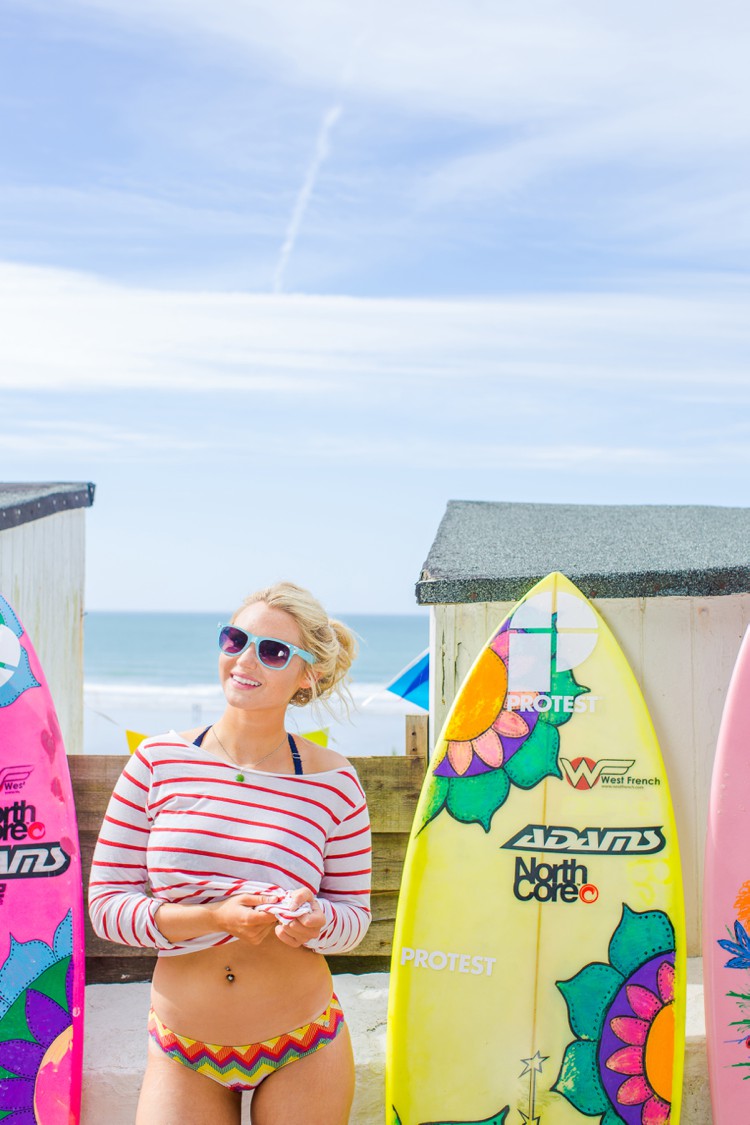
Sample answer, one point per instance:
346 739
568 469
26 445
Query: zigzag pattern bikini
244 1068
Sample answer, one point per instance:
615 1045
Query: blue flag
413 683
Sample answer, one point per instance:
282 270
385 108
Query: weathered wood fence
392 786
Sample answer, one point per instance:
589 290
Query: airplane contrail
322 150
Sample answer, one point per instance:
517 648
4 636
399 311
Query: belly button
230 974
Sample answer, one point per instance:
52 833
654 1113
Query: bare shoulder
190 735
318 759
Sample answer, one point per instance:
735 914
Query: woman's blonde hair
332 642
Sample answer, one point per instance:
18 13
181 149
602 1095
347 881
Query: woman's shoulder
189 736
319 759
157 746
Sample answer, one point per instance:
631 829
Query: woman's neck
250 735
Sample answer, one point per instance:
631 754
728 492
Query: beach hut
673 584
42 534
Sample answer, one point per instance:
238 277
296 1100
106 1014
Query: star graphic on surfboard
535 1064
532 1067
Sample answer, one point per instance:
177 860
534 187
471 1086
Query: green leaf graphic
436 799
475 800
579 1081
536 759
496 1119
562 686
588 996
638 938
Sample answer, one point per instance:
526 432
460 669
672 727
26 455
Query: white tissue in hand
286 909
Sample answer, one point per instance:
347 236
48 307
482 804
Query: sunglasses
271 652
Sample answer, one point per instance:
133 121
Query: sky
282 279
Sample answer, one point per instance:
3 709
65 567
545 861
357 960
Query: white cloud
91 208
89 439
499 62
700 217
70 332
431 452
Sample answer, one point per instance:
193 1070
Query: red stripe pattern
181 828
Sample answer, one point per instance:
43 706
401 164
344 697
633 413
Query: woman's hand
297 931
237 916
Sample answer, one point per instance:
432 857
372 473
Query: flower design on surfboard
36 1032
496 1119
490 745
619 1066
15 671
739 951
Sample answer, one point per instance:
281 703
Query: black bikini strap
295 755
197 741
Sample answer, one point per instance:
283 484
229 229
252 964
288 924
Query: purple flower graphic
740 948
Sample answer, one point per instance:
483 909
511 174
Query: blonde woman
242 854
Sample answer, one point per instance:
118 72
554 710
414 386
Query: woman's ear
313 674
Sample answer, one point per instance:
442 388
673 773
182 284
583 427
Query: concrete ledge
115 1055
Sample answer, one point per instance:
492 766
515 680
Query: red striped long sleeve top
181 828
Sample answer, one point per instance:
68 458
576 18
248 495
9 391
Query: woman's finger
258 900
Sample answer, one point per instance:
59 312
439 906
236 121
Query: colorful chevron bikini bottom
244 1068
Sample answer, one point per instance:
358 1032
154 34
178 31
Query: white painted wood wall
42 576
682 651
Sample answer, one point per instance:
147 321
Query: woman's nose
248 654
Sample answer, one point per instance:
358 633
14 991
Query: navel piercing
230 974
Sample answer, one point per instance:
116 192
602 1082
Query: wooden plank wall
682 651
41 575
392 786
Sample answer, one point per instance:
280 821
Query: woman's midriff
276 988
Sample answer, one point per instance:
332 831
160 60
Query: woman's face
247 683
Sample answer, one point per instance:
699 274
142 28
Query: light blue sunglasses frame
252 639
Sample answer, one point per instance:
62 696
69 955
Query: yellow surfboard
538 970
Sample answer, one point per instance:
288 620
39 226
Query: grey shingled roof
22 503
486 551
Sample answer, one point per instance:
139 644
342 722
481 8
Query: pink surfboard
41 899
726 907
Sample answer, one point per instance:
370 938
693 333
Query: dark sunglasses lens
232 640
274 654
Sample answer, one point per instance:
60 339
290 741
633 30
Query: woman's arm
235 916
121 910
344 895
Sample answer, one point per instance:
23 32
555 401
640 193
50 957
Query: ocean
152 672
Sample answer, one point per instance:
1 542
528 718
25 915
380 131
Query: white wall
682 651
42 576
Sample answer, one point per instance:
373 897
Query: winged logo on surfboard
13 778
